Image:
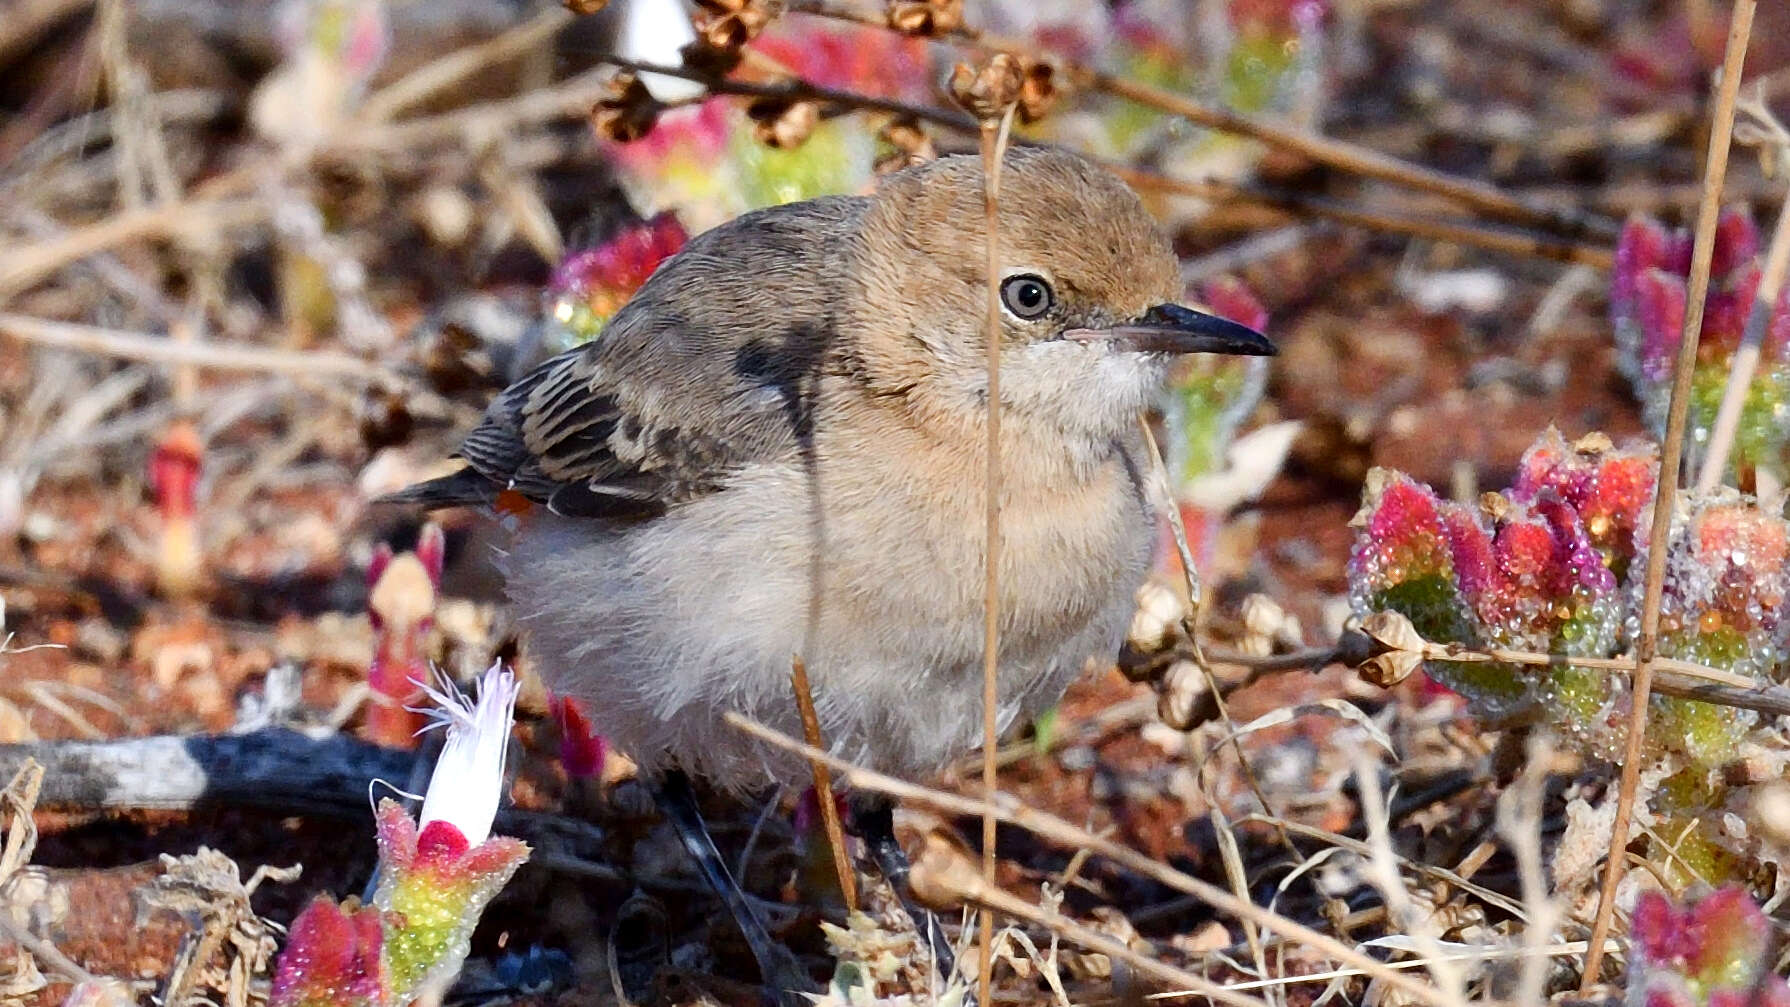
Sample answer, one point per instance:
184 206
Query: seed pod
1394 632
1184 688
626 112
913 145
1038 91
729 24
926 17
1388 669
782 123
988 90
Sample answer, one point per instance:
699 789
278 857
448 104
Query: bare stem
1007 808
1671 457
994 146
823 783
149 348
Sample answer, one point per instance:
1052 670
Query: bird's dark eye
1026 296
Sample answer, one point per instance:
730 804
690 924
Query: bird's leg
873 818
783 976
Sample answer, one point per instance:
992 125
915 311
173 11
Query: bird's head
1088 289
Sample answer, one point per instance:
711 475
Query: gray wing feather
711 366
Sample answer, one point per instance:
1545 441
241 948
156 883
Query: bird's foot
873 818
785 980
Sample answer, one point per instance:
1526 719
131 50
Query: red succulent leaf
174 468
332 957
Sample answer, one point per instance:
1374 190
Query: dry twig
1671 456
1008 809
823 784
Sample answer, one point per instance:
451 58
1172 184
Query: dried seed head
1770 812
1594 443
1184 687
912 145
729 24
1496 506
782 123
944 874
626 112
1394 632
1037 91
1388 669
708 61
585 6
1263 616
987 91
1159 609
926 17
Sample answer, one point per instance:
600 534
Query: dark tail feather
465 488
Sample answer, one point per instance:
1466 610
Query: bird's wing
712 366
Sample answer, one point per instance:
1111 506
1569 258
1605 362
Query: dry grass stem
1190 623
438 75
1752 338
1671 456
1442 874
1297 205
1057 830
203 216
994 148
1338 154
141 346
1354 159
967 886
823 783
1672 677
1407 914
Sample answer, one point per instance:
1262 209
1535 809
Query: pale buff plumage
778 448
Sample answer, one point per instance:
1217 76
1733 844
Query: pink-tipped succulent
1647 310
1714 953
401 594
174 470
590 286
1555 566
1726 586
436 875
334 957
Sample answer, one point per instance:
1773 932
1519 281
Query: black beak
1170 328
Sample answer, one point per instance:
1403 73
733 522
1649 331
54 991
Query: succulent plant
1555 566
592 284
1647 307
436 874
401 594
1712 953
175 468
